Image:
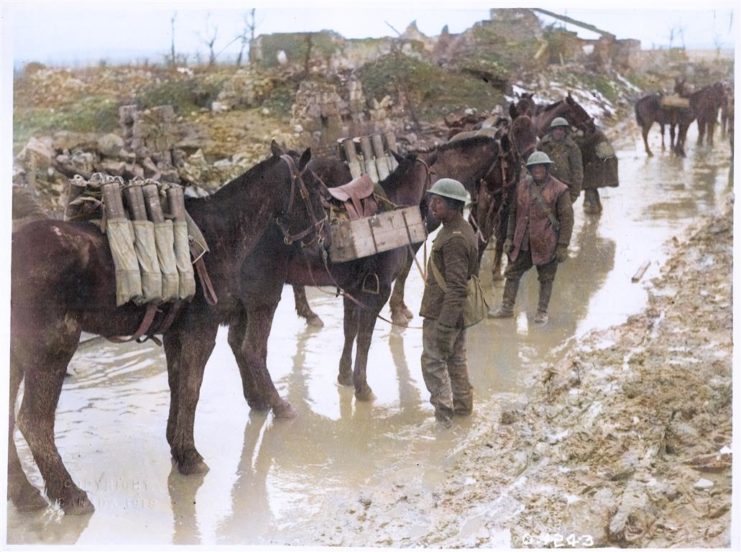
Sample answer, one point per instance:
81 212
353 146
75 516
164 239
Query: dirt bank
626 442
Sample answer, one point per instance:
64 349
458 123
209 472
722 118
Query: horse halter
317 225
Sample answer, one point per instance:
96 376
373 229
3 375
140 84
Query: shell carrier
154 244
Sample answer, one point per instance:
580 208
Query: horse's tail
639 116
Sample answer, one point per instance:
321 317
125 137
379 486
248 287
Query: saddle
356 197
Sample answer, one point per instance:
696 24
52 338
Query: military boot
506 310
592 204
541 317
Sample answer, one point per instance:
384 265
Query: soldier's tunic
455 254
567 160
531 231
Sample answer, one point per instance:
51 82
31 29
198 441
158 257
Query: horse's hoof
399 319
345 378
191 464
406 312
76 504
315 322
284 411
364 394
260 405
28 499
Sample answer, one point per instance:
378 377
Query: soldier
455 255
565 155
538 233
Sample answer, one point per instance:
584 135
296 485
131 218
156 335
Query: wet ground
312 480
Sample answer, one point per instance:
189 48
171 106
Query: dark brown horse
497 196
480 163
705 105
569 109
366 284
649 110
62 279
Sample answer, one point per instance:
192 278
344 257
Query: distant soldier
455 257
538 234
565 155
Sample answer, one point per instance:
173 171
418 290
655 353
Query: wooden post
381 162
370 165
640 272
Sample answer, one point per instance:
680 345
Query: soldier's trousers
446 378
524 262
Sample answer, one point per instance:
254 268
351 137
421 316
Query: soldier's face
539 172
559 133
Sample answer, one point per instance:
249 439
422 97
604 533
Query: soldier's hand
508 246
562 253
445 339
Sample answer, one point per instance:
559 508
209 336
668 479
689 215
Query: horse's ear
398 157
569 99
513 111
304 160
275 149
504 142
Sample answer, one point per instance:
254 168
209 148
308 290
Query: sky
73 32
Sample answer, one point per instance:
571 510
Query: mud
624 442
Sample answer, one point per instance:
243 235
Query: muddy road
318 478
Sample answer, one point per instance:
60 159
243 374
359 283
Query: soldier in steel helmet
566 156
455 255
539 228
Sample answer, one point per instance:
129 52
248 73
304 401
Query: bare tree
210 40
172 38
247 37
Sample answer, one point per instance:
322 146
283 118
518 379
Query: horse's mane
465 142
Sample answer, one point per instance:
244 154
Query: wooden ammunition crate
354 239
674 101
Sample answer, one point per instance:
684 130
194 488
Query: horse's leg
711 131
400 313
661 126
196 338
644 133
237 333
44 366
366 323
350 328
500 234
303 309
255 351
700 131
25 496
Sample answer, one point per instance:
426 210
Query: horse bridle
317 225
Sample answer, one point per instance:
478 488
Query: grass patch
92 114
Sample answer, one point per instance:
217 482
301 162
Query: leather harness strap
143 328
209 294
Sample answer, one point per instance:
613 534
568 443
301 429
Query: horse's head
303 218
407 183
577 116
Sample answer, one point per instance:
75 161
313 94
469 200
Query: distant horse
63 283
365 282
649 110
704 106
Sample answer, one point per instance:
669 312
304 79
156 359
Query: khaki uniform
567 160
455 254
